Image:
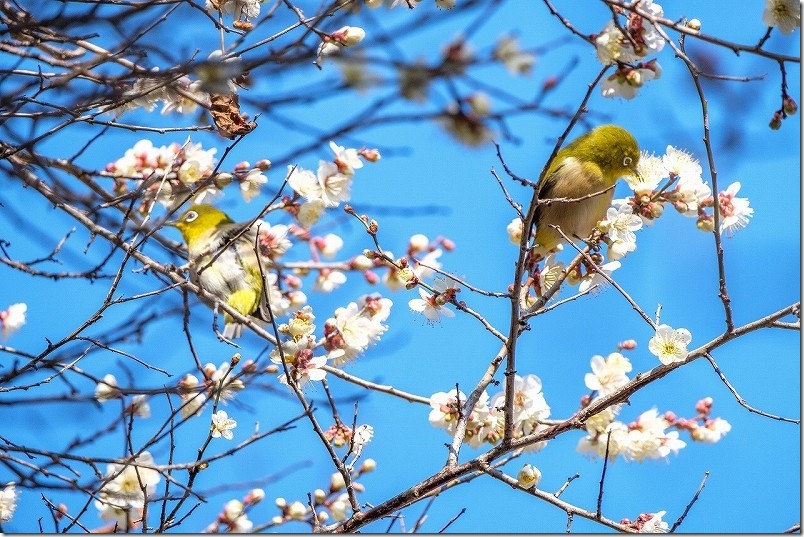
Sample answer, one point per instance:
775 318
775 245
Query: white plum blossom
593 278
626 81
12 319
428 264
550 273
128 486
222 425
679 163
433 307
273 239
669 344
608 374
783 14
734 211
303 366
620 224
446 410
328 280
655 524
507 52
250 184
528 476
650 172
529 403
712 431
355 327
8 502
347 160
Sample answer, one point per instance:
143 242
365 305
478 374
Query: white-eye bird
589 164
223 261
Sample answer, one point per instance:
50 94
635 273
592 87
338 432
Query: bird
222 260
590 164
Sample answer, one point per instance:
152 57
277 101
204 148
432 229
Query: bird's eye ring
627 161
189 217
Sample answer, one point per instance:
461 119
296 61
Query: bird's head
612 148
197 221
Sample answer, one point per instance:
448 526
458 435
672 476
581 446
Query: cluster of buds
789 108
648 523
702 427
234 516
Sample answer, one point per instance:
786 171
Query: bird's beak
171 223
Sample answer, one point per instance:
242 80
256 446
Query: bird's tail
233 330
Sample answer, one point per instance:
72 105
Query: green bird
223 261
589 164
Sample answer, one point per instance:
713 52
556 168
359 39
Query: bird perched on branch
223 261
588 167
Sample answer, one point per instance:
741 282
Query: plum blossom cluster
421 261
241 10
486 421
326 188
648 437
12 319
648 523
220 383
8 502
233 518
171 174
434 306
516 60
347 36
330 503
353 328
626 45
675 179
346 335
125 489
182 96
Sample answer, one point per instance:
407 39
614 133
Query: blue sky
754 473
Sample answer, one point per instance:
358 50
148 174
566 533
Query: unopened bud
549 83
245 26
706 224
776 121
480 104
254 496
418 243
336 482
369 465
789 105
281 503
656 210
370 155
371 277
628 345
694 24
297 511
